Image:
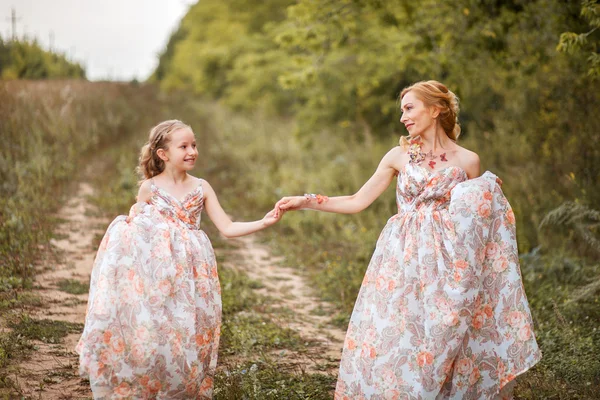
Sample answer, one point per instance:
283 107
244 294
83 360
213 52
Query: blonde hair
150 164
435 94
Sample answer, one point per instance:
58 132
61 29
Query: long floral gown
441 313
154 312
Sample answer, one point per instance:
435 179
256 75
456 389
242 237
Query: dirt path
310 317
51 372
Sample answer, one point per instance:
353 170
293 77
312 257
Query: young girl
154 310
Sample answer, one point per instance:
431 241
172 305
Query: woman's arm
224 224
357 202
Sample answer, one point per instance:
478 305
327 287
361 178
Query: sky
113 39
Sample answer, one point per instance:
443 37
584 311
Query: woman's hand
291 203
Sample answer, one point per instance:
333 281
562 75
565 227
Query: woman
441 313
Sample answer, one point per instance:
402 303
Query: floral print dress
154 311
441 313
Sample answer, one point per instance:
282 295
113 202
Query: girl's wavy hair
150 163
435 94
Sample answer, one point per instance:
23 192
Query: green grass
269 380
73 286
247 334
13 347
19 300
45 330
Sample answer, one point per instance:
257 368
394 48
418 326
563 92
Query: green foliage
49 131
338 67
575 230
25 59
220 50
584 43
583 221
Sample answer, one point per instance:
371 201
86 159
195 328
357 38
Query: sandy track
311 317
51 372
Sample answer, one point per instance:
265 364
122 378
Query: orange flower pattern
442 312
154 312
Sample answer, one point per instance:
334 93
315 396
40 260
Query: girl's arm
228 228
357 202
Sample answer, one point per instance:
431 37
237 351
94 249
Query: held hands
272 217
283 205
290 203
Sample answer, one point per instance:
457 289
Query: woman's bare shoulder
469 161
467 155
396 157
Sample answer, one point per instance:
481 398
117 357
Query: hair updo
435 94
150 164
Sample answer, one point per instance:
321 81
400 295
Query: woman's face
416 116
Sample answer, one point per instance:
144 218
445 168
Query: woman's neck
435 139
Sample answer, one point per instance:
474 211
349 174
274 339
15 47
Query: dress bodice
188 211
421 189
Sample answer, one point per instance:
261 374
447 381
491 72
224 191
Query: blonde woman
154 312
441 313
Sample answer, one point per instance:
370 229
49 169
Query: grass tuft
73 286
260 380
44 330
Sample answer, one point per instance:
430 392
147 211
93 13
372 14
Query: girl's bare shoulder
145 191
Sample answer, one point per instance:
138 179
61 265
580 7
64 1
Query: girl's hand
499 181
272 217
291 203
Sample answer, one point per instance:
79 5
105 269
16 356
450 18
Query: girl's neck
174 176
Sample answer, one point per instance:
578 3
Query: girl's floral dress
154 312
441 313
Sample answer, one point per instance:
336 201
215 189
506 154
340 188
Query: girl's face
416 116
181 152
